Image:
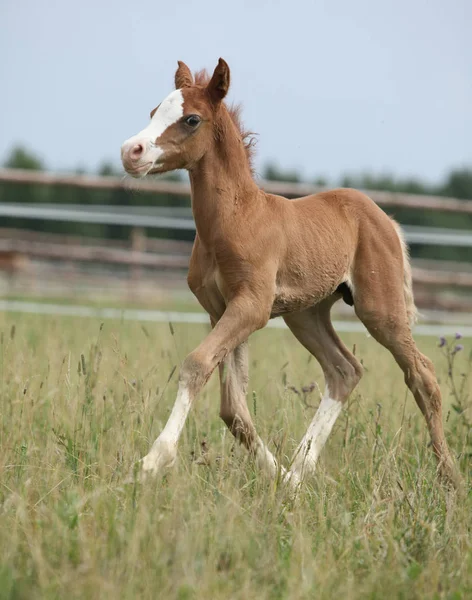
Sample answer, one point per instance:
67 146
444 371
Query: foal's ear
219 83
183 76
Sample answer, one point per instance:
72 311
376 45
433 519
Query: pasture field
81 401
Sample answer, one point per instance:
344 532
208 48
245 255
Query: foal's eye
192 120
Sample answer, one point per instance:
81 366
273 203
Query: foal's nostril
136 151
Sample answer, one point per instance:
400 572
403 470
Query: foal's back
343 210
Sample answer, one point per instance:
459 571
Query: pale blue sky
331 86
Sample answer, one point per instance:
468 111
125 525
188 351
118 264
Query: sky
331 87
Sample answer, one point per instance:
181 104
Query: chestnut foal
258 256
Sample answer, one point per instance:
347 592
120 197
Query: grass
80 402
171 301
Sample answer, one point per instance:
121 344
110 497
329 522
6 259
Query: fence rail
163 254
433 282
191 318
114 216
179 188
130 257
118 215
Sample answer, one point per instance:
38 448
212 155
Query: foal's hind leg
342 372
234 410
382 310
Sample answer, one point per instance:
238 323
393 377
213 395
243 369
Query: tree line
456 184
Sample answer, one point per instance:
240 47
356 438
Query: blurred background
375 96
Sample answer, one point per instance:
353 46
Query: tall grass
81 401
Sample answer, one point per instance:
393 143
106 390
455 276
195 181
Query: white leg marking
315 438
164 450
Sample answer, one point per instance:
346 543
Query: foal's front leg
241 317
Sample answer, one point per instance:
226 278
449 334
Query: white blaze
168 113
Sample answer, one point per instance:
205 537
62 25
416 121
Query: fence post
138 246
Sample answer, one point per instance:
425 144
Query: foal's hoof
161 458
150 467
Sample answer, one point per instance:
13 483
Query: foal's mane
202 79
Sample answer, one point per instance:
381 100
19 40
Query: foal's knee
195 371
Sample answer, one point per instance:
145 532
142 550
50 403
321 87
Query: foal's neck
222 188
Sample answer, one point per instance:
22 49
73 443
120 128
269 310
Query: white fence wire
190 318
154 218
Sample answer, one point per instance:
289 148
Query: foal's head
182 127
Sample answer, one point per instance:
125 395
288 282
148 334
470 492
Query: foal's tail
411 309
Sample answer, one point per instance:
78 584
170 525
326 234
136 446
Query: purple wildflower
442 341
458 336
458 348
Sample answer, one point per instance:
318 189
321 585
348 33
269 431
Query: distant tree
106 169
458 184
321 182
347 181
386 183
20 158
274 173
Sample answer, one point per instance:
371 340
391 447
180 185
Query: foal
258 256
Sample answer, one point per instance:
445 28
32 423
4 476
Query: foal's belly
294 295
287 300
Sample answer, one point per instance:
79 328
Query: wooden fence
160 186
434 280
